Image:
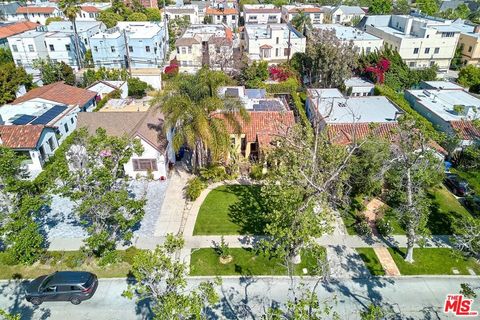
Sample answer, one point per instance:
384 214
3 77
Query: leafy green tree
428 7
137 6
327 62
153 14
469 76
475 16
5 56
92 175
175 28
254 74
102 73
11 78
89 59
137 88
119 7
188 103
137 16
467 236
18 204
401 7
52 19
9 316
380 7
415 170
51 71
71 8
377 312
302 22
110 19
161 279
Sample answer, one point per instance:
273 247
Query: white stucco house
158 153
104 87
345 14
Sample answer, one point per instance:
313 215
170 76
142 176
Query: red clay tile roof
20 137
35 9
266 46
220 12
345 133
263 125
465 129
59 92
90 9
228 34
306 10
16 28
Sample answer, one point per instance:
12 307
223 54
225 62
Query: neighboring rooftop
260 8
16 28
67 26
90 9
347 133
335 108
127 105
254 99
134 30
264 31
349 9
185 9
307 8
199 33
440 85
20 137
9 8
346 33
36 9
59 92
358 82
221 12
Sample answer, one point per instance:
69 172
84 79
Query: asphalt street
246 298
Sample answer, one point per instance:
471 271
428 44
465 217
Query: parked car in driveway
73 286
458 186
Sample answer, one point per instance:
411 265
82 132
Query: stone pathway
371 213
387 261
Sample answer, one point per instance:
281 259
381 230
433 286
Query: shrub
6 258
110 257
130 254
75 259
222 249
256 172
137 88
194 187
384 227
213 174
362 227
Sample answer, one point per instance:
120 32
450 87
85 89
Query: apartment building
204 44
85 30
420 41
88 13
271 42
134 44
469 42
28 47
449 107
223 11
14 28
316 14
346 14
361 40
261 14
188 12
38 13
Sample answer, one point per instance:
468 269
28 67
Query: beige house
469 41
316 14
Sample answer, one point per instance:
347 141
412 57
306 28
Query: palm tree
70 9
192 106
301 21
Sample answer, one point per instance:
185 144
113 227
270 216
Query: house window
415 50
368 49
189 49
30 48
67 46
437 50
95 48
19 62
144 165
71 120
86 41
233 17
470 49
448 34
276 52
14 48
130 49
147 48
51 144
427 50
178 50
277 40
112 48
52 48
65 126
91 15
184 50
432 63
265 53
412 64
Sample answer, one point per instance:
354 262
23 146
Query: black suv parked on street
73 286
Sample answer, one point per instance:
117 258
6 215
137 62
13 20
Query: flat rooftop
254 99
29 111
338 109
442 103
442 85
67 26
347 33
216 30
134 30
263 31
358 82
127 105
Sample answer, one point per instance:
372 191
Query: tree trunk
410 228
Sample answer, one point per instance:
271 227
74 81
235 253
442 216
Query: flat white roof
347 33
134 29
36 107
262 31
443 85
338 109
358 82
217 30
442 102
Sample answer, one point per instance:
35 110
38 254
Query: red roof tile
59 92
345 133
16 28
35 9
20 137
90 9
306 10
220 12
263 125
465 129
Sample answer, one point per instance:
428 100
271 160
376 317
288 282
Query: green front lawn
472 177
231 209
371 261
64 260
205 262
445 210
433 261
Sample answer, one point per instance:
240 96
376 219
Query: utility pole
128 53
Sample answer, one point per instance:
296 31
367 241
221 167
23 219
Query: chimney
476 29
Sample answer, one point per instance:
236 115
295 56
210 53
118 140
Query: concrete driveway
246 298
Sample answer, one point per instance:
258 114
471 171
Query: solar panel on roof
49 115
23 119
